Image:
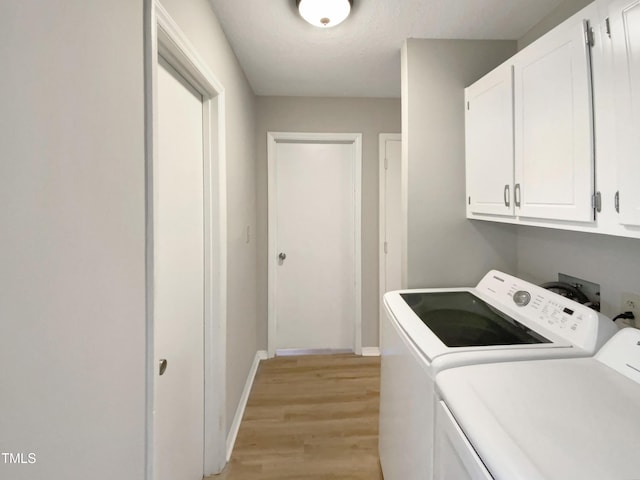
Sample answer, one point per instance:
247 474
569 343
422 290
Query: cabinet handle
516 195
507 196
616 201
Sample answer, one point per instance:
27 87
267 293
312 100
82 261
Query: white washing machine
544 419
427 331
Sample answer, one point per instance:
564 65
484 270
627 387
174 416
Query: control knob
521 298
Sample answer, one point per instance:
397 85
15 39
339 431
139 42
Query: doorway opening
165 42
391 242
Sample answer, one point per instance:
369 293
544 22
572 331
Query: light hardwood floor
310 417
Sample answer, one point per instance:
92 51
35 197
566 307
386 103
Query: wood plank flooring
310 417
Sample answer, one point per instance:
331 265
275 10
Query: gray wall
443 247
613 262
369 116
201 26
72 186
557 16
72 247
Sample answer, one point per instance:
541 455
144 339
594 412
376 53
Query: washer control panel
535 305
556 313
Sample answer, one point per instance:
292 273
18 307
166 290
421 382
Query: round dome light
324 13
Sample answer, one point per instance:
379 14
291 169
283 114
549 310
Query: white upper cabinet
569 124
554 147
489 143
624 26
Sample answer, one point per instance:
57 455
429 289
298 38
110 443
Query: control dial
521 298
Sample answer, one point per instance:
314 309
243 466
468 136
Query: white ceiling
281 54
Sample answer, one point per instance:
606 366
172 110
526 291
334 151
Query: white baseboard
370 352
294 352
242 404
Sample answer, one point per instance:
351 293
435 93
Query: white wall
202 28
443 247
370 116
72 241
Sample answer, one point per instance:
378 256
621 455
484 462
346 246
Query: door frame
273 138
164 37
382 224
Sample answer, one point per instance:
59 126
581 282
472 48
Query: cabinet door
554 125
624 21
489 143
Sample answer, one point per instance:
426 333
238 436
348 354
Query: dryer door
455 458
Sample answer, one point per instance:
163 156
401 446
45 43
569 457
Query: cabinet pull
507 196
616 201
597 202
516 195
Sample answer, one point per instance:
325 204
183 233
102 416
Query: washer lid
461 319
548 419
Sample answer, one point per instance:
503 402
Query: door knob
163 365
282 256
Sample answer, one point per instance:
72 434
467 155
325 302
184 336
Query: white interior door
391 215
179 277
315 231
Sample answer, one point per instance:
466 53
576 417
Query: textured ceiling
283 55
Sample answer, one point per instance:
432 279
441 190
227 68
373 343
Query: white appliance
545 419
426 331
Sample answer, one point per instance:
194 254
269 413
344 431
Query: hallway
310 417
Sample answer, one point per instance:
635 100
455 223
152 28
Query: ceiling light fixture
324 13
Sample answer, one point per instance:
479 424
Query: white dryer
427 331
543 420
